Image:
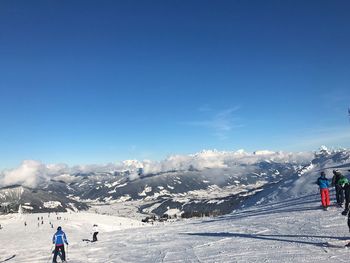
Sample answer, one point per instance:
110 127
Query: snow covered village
174 131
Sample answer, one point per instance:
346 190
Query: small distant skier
95 232
323 183
339 192
59 238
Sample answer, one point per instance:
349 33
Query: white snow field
287 225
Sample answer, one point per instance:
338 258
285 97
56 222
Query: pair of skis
88 240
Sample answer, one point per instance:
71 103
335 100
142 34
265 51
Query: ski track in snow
296 230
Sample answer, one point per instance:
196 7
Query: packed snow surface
295 230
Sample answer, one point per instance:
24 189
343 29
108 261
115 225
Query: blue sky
102 81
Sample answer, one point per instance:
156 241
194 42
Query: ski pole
50 254
67 251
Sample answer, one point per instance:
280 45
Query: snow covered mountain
35 200
205 183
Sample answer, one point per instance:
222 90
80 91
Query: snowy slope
35 238
295 230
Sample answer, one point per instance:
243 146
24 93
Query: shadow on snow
279 238
305 203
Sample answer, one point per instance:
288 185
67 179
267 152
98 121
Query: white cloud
30 173
33 173
221 124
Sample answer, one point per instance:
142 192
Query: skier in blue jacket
323 183
59 238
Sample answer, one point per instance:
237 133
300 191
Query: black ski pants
339 193
59 249
94 237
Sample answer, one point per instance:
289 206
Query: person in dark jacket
346 187
344 182
95 232
339 192
323 183
59 238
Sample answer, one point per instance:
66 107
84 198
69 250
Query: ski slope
282 224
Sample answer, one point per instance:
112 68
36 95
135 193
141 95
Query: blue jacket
59 238
323 182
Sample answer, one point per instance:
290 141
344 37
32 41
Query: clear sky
101 81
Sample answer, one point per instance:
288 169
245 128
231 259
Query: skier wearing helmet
339 192
59 238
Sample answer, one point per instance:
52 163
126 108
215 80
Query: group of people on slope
60 238
342 191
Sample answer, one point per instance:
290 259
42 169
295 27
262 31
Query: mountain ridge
234 183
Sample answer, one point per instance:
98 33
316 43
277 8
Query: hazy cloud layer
33 173
336 136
